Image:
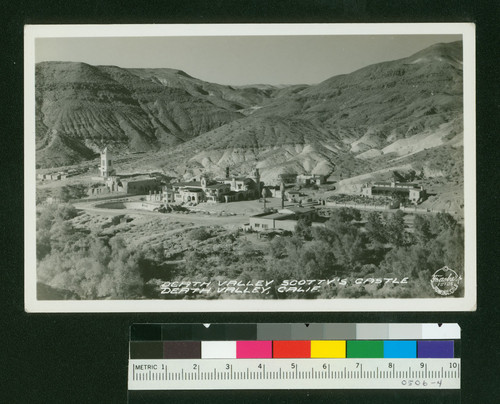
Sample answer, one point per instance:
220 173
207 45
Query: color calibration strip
244 341
294 356
291 349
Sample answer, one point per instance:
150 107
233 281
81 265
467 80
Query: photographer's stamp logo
445 281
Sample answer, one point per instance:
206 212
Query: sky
241 60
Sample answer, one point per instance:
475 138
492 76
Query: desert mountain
383 114
349 123
80 108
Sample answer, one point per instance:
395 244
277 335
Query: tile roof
214 186
187 184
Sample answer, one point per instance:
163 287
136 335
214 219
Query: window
256 225
265 226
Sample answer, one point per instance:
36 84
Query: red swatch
291 349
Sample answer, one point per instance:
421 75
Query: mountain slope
80 108
382 103
346 124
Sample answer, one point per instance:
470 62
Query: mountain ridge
382 111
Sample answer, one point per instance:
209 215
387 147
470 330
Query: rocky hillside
80 108
347 124
374 117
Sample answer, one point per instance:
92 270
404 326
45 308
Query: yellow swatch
327 349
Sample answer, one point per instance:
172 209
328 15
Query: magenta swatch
254 349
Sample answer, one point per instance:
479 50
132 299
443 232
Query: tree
358 253
303 228
453 241
317 260
442 222
375 228
195 263
323 234
127 282
43 247
448 249
124 270
346 242
348 214
395 228
277 247
61 235
69 192
406 261
53 229
422 229
65 212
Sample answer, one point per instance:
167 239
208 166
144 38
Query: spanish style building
284 219
414 192
229 189
302 179
313 179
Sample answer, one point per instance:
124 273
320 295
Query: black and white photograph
295 167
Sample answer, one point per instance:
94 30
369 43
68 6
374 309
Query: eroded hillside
370 119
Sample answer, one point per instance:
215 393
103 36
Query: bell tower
203 181
106 166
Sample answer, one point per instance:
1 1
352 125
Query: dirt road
195 218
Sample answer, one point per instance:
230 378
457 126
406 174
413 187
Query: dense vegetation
101 264
89 266
65 193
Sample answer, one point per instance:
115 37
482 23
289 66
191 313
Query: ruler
238 374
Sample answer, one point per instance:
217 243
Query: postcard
250 167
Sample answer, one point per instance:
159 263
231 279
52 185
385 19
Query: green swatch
365 349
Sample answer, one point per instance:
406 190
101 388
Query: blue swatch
400 349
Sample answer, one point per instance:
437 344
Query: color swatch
218 349
291 349
400 349
365 349
254 349
182 349
328 349
435 349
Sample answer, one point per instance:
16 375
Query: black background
82 358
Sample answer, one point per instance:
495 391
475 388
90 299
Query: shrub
303 228
69 192
199 234
117 219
